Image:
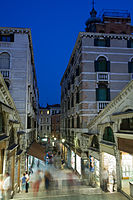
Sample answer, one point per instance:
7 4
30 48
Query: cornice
110 108
106 35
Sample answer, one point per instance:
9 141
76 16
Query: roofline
94 35
22 30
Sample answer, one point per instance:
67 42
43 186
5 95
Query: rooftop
115 13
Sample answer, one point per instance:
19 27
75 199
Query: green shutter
95 42
97 94
96 65
129 67
128 43
108 42
108 94
108 66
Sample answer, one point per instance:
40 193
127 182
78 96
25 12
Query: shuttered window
102 65
4 61
108 135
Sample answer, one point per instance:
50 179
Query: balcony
101 105
5 73
103 76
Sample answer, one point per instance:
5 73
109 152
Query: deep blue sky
55 25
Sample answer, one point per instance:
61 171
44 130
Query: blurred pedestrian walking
1 187
47 180
7 186
36 180
23 183
27 181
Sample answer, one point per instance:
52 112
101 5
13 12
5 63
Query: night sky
55 25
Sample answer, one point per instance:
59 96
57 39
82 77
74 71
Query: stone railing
101 105
5 73
102 76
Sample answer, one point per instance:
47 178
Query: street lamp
63 140
55 139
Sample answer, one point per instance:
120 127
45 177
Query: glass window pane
102 94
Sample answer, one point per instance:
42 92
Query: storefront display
78 164
72 159
109 163
127 171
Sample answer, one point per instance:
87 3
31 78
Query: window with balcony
102 42
108 135
102 65
102 93
130 66
4 61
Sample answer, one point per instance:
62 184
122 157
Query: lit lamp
63 140
55 139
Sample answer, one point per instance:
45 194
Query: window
1 123
108 135
102 93
130 43
127 124
69 104
48 112
77 71
78 122
41 128
7 38
47 119
95 143
72 79
68 123
77 97
47 128
28 122
72 122
102 65
130 66
72 101
4 61
101 42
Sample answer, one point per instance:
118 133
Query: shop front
126 162
73 160
78 164
108 163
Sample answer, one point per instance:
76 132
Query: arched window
95 143
4 61
102 65
108 135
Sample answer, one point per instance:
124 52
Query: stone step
64 191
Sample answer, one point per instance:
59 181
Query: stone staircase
54 192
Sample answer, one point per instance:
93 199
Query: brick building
100 66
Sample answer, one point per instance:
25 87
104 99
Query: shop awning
37 150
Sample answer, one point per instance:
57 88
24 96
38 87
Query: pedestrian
47 179
36 180
114 179
27 181
7 186
23 183
105 177
1 188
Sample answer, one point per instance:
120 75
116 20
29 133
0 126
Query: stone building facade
45 120
18 69
99 68
11 138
